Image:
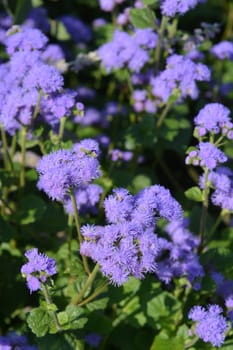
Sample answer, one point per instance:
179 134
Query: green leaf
39 321
148 2
142 18
31 209
194 193
22 10
60 341
72 318
162 343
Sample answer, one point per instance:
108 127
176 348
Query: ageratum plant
116 175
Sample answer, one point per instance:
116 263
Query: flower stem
36 110
160 37
23 156
49 302
163 115
205 204
77 224
88 283
6 156
94 295
61 128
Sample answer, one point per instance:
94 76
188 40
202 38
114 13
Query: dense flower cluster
221 180
13 341
211 326
206 155
214 118
128 245
181 74
64 170
172 7
223 50
128 50
38 268
181 260
87 197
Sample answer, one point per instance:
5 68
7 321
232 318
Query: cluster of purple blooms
142 102
225 290
214 118
38 269
13 341
126 50
27 81
223 50
211 326
117 154
128 244
180 74
171 8
206 155
181 259
65 170
221 180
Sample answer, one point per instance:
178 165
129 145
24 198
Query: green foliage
40 321
162 343
142 18
194 194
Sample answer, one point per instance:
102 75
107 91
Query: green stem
191 343
7 8
214 228
88 283
160 37
163 115
36 110
77 224
49 302
23 156
61 128
94 295
6 156
13 145
205 204
69 237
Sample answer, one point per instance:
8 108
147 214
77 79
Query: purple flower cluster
108 5
78 30
142 102
64 170
180 74
15 341
117 154
38 268
128 50
211 326
87 197
223 50
181 259
206 155
214 118
127 245
172 7
25 77
222 181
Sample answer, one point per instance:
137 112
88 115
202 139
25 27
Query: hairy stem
61 128
159 44
205 204
88 283
94 295
163 115
23 156
6 156
49 302
77 224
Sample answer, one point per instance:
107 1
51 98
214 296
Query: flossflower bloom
38 269
211 326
